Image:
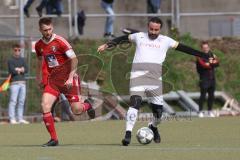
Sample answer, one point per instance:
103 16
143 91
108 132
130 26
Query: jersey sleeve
172 43
64 45
133 37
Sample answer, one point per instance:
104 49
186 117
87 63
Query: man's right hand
210 60
18 70
102 48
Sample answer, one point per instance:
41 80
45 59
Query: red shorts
55 87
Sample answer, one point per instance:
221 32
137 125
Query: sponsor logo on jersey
150 45
54 48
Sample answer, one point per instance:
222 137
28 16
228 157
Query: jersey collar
52 38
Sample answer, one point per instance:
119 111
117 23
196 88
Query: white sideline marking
139 147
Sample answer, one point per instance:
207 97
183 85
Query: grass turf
208 138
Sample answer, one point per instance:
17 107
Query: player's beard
48 37
152 36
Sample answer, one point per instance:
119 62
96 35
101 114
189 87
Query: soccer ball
144 135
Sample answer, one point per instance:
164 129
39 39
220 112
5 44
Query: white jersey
151 51
146 73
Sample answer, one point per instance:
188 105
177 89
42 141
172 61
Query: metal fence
174 11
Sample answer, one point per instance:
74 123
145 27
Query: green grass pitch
185 139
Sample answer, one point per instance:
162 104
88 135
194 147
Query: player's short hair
16 45
156 20
45 20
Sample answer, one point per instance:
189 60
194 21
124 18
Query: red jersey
56 66
53 52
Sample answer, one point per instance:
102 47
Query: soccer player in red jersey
59 76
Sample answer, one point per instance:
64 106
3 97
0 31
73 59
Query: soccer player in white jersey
145 79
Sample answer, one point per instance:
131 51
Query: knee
21 101
211 94
13 98
157 110
77 110
203 95
112 18
135 101
13 101
46 107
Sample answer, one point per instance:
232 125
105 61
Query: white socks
155 121
131 118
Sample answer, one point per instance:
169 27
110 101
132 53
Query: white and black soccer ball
144 135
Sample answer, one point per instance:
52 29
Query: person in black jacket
207 83
17 67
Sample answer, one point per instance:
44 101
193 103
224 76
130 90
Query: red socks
86 106
49 123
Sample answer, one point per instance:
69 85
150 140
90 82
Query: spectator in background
207 83
39 8
107 5
81 18
43 4
153 6
52 7
27 5
17 67
55 7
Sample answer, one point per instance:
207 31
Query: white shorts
146 87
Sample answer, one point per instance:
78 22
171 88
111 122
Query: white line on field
164 149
